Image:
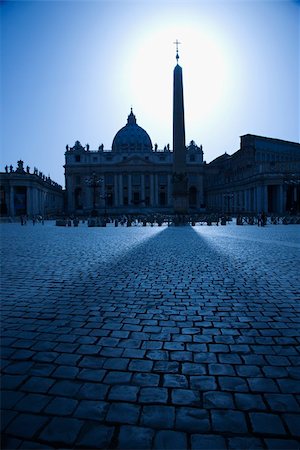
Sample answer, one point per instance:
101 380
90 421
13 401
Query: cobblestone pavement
151 337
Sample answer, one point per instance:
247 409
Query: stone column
120 189
280 199
143 188
116 191
265 198
156 189
29 200
129 190
169 201
11 211
151 189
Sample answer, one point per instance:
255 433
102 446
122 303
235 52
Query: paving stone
218 399
92 391
139 365
42 369
38 384
207 442
221 369
95 436
228 421
153 395
6 417
185 397
91 409
61 406
26 425
282 402
236 384
262 385
34 403
266 423
18 368
138 438
65 388
62 431
91 375
124 393
245 443
293 421
175 380
249 401
166 366
145 379
160 417
203 383
123 413
193 420
288 386
10 398
167 439
115 377
193 369
66 372
282 444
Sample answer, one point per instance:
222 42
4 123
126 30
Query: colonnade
268 198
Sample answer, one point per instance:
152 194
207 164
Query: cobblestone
151 337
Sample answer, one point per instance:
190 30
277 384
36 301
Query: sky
71 70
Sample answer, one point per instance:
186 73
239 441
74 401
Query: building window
77 158
95 158
77 179
192 158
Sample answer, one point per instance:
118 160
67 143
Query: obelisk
180 191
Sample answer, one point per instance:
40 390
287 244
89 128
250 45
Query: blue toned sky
72 69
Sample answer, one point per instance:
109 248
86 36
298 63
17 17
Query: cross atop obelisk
177 43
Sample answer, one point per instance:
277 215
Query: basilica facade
132 177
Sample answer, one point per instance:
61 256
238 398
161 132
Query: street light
94 182
228 197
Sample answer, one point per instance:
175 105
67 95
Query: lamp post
94 182
228 197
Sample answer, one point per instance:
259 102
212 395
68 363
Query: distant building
134 177
31 194
263 175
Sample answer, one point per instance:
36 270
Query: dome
132 138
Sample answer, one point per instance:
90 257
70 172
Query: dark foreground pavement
139 338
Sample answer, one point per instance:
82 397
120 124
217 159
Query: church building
135 177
